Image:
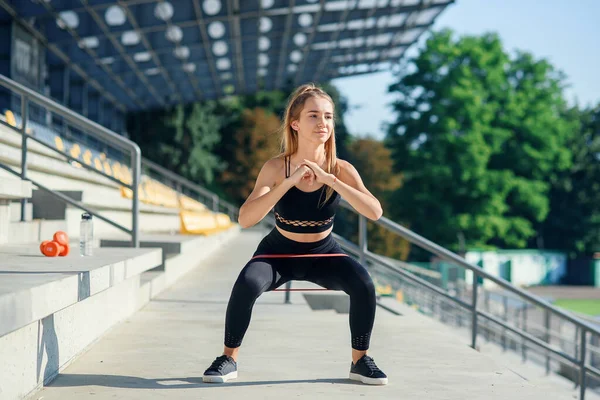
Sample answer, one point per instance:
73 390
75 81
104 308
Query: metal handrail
584 327
450 256
96 130
551 352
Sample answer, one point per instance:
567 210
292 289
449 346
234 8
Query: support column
56 80
5 47
85 99
93 105
76 96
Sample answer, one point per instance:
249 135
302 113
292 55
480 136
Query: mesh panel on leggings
232 341
361 342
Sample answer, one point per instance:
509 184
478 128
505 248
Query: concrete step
14 189
15 211
34 231
49 284
10 189
175 244
10 138
148 223
96 196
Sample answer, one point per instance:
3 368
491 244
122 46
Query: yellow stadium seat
10 118
399 296
87 157
98 164
160 194
75 151
125 175
384 290
189 204
58 143
119 172
126 193
107 169
223 220
204 223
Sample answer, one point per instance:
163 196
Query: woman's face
316 120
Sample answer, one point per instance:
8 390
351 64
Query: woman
304 185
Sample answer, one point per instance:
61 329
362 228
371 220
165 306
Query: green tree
573 223
274 101
181 139
256 141
374 163
478 136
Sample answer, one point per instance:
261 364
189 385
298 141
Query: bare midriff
305 237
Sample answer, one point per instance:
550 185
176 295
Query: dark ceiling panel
152 52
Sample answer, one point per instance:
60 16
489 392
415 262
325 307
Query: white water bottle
86 235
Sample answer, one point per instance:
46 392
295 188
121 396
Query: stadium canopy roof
151 53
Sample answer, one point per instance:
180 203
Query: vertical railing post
487 310
362 239
547 327
582 373
24 118
505 317
288 286
215 201
136 169
524 327
576 352
474 312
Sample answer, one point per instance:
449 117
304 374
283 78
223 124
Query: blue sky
565 32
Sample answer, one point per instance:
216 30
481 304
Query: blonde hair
289 137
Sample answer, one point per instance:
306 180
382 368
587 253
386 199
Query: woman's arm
351 187
263 198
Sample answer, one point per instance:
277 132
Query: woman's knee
366 285
254 279
358 280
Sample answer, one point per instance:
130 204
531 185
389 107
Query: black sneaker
367 372
221 370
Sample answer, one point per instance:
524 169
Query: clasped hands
311 173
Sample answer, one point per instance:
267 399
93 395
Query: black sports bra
303 212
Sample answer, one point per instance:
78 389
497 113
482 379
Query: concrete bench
10 189
52 309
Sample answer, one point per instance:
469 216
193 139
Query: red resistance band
298 256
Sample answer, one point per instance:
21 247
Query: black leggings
322 262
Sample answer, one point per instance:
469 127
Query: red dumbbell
61 238
53 249
59 246
44 243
